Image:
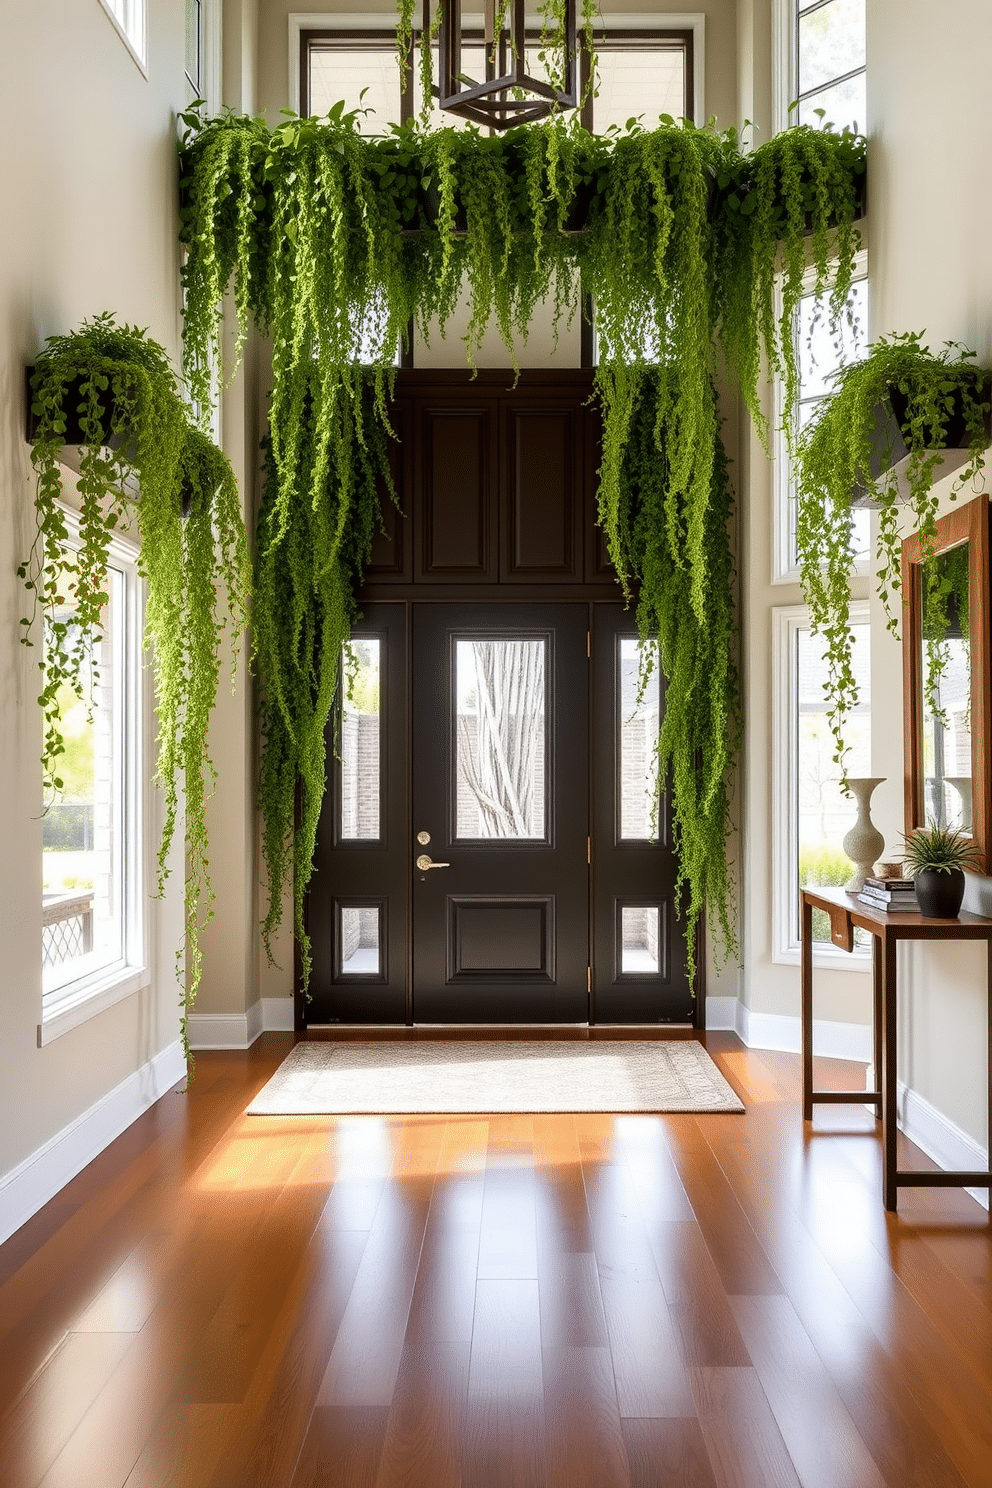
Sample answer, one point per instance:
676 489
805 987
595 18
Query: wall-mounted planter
890 457
75 436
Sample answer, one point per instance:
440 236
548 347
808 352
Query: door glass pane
360 940
500 739
639 933
639 719
360 741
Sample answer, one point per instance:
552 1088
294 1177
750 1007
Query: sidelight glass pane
640 929
360 940
639 719
361 741
500 739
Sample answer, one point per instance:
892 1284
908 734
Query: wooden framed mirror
947 702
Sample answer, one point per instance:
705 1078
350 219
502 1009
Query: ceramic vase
864 842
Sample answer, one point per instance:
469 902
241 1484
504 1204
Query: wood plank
508 1239
505 1440
667 1452
699 1307
823 1441
425 1430
745 1446
585 1440
652 1379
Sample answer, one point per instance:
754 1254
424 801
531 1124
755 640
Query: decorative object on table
852 450
864 842
885 872
893 895
937 857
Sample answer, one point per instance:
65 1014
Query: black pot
939 895
955 435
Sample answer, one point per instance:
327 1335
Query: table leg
806 959
889 1071
877 1016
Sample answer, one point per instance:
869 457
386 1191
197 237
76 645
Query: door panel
358 909
639 960
542 527
500 789
458 494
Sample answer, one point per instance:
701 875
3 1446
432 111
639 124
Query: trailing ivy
701 727
121 389
334 240
309 561
848 450
787 208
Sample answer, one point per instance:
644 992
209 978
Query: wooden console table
846 912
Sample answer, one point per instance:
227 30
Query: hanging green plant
945 580
113 389
309 561
335 239
701 727
788 208
848 450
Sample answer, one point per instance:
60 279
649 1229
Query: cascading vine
335 241
193 553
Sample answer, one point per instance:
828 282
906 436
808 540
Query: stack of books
891 894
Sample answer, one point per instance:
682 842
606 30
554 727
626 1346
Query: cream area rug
435 1076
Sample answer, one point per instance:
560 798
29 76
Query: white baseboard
721 1013
240 1030
940 1138
775 1031
830 1040
29 1186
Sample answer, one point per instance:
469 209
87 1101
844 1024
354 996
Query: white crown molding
29 1186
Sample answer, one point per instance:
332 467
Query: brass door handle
424 862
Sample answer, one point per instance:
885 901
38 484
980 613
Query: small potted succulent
936 857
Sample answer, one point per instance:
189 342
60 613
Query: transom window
129 18
640 74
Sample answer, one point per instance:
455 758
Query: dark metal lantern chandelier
508 94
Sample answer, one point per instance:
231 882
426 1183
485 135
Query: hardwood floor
579 1301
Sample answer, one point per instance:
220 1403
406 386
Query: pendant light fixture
507 94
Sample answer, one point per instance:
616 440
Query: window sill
94 995
827 958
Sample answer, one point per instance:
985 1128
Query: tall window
92 931
129 18
194 50
812 812
830 62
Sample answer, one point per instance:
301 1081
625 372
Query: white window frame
694 21
74 1003
129 19
785 565
787 621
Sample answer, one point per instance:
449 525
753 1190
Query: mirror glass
945 673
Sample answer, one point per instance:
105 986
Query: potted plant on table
935 858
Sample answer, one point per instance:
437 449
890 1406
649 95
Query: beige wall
931 217
88 170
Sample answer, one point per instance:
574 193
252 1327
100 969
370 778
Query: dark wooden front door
501 798
494 589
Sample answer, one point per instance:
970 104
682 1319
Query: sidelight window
361 741
638 723
360 940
